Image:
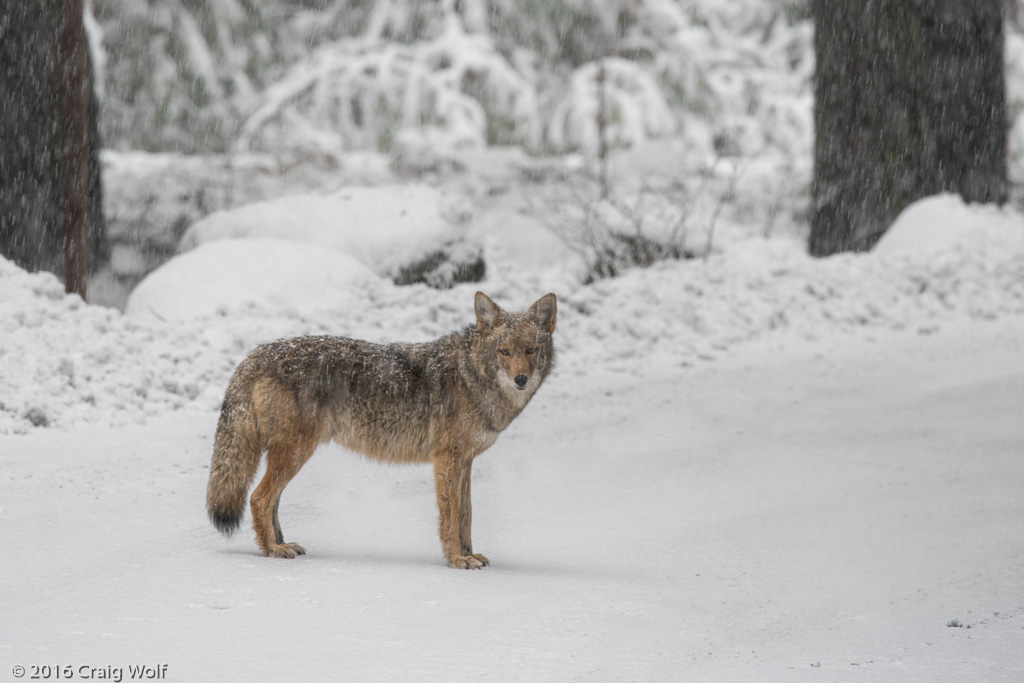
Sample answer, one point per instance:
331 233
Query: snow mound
225 275
385 228
945 222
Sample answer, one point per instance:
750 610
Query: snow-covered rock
221 276
389 229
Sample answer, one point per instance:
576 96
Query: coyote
442 402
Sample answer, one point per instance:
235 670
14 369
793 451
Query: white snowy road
812 512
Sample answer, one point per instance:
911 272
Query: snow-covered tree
197 75
179 71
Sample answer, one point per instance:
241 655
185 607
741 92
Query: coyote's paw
476 561
286 550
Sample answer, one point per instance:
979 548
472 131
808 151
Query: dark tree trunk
910 101
965 88
30 140
73 140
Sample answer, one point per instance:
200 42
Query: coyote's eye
530 351
503 352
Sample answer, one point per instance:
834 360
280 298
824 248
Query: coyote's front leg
452 474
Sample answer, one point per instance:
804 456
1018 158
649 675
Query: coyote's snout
443 402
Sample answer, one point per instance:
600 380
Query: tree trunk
73 141
909 101
965 87
30 86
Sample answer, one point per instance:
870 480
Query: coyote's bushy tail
236 457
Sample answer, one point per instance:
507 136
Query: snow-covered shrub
635 108
368 90
640 227
611 236
176 73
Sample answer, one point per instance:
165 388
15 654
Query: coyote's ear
544 312
487 312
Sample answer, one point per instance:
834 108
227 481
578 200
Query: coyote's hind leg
283 462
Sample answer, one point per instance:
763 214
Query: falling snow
747 466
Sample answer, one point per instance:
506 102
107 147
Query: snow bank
62 362
678 313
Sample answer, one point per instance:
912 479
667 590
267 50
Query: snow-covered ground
754 466
758 467
824 511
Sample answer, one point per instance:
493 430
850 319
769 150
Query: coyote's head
515 348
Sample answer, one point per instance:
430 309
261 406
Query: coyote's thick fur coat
442 402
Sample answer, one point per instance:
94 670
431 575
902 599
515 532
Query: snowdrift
62 362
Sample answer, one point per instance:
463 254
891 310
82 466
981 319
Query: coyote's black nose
521 381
